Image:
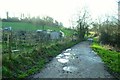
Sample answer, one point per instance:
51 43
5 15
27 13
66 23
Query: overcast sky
61 10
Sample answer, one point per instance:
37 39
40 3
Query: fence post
10 44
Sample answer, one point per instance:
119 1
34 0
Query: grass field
30 27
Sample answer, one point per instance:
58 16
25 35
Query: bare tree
83 24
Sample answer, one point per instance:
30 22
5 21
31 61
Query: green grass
28 63
110 58
30 27
19 25
34 69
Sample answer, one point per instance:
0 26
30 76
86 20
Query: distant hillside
30 27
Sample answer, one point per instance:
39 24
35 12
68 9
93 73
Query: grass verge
26 64
110 58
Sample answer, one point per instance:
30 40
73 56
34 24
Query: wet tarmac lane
78 61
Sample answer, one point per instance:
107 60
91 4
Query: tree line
108 31
38 21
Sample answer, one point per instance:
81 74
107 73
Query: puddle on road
63 60
60 56
65 57
66 53
67 50
69 55
70 68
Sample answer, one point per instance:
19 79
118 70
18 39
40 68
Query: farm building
42 35
54 35
50 35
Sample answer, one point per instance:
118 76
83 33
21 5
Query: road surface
78 61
